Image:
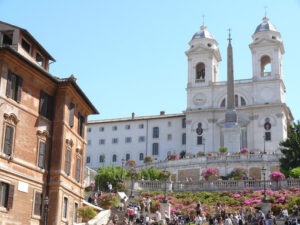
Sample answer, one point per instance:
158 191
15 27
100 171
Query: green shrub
86 212
223 149
148 159
295 172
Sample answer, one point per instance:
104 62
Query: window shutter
10 198
78 169
42 153
43 103
68 156
50 107
9 132
79 124
37 203
71 114
19 91
8 84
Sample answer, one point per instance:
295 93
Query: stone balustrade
213 159
217 185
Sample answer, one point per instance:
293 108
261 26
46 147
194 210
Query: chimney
132 115
162 113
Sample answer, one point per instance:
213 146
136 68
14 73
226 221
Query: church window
183 141
183 123
200 72
265 63
155 132
199 140
127 156
114 158
155 150
268 136
169 137
141 156
102 158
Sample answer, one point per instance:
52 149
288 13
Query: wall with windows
134 139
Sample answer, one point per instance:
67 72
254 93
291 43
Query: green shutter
8 141
42 153
19 91
71 114
8 84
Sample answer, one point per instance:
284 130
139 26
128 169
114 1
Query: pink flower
281 199
210 171
236 195
244 150
277 176
159 196
92 184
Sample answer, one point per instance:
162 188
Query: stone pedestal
232 135
165 207
266 207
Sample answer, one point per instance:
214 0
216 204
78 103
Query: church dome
265 26
203 33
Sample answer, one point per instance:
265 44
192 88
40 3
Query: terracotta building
42 128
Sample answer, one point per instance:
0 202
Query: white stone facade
259 103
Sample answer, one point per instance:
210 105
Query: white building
262 113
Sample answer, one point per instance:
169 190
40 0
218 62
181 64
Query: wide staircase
121 215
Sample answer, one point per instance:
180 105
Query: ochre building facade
42 135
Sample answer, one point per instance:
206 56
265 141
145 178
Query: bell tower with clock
203 68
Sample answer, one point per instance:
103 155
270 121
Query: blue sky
128 56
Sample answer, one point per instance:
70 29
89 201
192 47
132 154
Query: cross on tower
265 11
229 35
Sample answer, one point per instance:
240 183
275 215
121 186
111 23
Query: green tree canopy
109 174
290 148
296 172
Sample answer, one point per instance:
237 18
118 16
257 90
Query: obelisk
231 128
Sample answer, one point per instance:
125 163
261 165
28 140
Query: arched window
183 125
265 64
199 125
155 132
141 156
155 150
200 72
183 141
236 100
114 158
243 102
223 103
102 158
127 156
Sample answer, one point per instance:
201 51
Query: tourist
198 220
287 221
268 218
295 210
147 219
285 213
130 213
148 204
157 216
198 208
227 220
115 219
294 220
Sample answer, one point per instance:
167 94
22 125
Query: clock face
199 99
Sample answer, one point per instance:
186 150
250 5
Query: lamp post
132 175
203 144
46 200
264 174
165 176
123 160
264 144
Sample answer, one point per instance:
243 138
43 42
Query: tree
109 174
295 172
290 148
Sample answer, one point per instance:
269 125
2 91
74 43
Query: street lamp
46 200
165 176
264 173
264 144
203 139
132 175
123 160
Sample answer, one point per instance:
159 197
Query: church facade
262 114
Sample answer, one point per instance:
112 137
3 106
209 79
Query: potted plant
244 151
174 156
106 201
238 173
210 173
223 150
200 154
131 163
86 213
148 159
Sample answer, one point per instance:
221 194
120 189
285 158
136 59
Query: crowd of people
140 214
